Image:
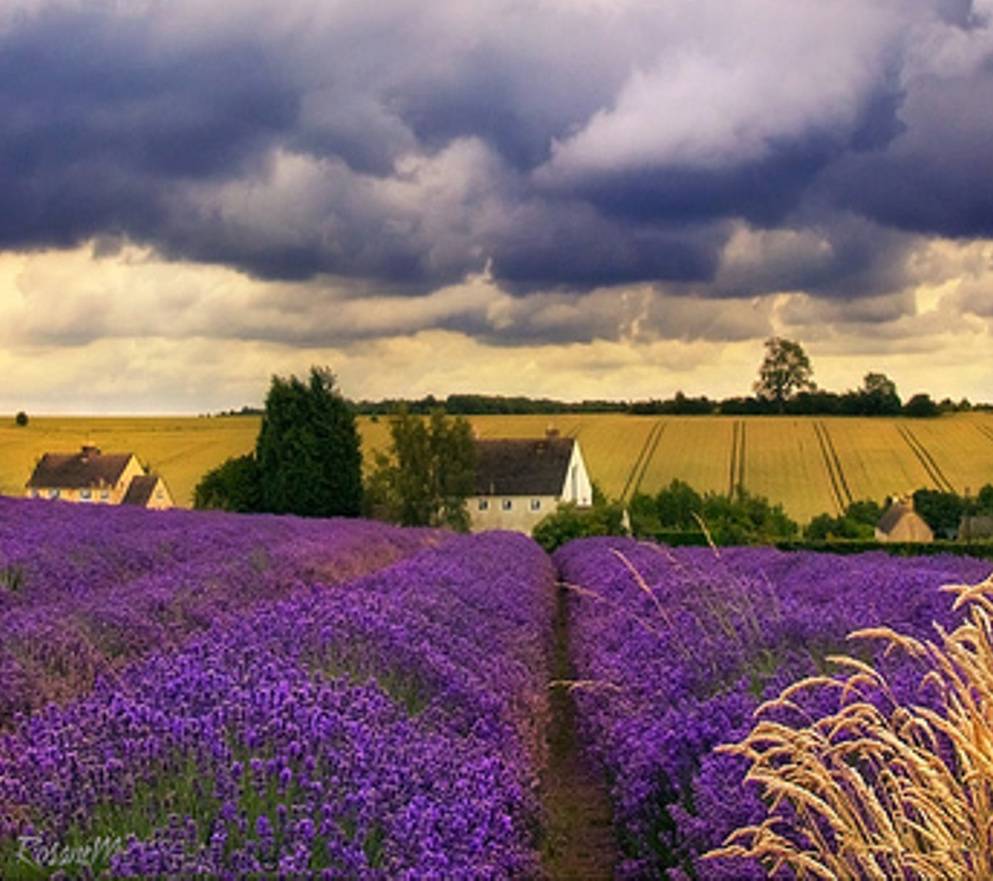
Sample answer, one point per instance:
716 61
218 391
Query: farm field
680 648
809 464
306 699
187 694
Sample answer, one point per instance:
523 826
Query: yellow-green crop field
810 464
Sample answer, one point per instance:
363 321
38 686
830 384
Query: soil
579 840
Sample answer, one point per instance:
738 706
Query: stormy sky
579 198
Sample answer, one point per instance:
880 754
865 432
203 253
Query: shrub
231 486
570 522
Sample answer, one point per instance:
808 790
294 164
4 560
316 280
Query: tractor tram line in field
652 445
926 459
986 431
736 476
839 484
641 463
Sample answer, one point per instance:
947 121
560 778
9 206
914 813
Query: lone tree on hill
785 371
21 419
307 452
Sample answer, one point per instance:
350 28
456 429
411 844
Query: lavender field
679 647
210 695
232 701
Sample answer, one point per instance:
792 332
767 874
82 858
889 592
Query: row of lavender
680 647
85 590
384 728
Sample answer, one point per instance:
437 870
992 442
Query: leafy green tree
569 522
21 419
232 486
857 523
866 512
942 511
428 473
984 500
784 371
307 451
676 504
921 406
878 395
745 519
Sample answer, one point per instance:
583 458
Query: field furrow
785 463
875 458
695 451
648 453
926 459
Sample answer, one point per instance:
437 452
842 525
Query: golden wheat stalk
868 793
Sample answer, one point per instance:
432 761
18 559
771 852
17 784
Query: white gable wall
577 488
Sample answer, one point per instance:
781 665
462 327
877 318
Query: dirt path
579 843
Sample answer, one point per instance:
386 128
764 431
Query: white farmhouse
520 481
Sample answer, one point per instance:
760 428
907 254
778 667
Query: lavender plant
385 728
680 647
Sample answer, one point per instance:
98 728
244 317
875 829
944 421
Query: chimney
90 450
551 432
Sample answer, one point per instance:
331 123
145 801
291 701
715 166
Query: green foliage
942 511
307 450
570 522
921 407
679 512
234 485
677 504
644 514
878 395
858 523
984 500
745 519
784 371
428 473
21 419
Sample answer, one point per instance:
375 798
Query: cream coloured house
518 482
93 477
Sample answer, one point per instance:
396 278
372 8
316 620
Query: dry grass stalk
898 792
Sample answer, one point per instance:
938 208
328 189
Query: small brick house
518 482
93 477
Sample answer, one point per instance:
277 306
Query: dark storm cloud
567 145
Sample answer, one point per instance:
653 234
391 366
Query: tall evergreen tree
308 449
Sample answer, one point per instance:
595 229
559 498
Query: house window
86 494
535 504
484 504
34 493
53 493
507 505
104 494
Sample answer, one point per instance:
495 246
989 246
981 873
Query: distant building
93 477
901 522
518 482
976 527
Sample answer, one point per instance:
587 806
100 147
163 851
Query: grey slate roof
140 490
85 469
532 467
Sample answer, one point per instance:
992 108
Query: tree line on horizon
784 386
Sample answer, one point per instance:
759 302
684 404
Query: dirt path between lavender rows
579 840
